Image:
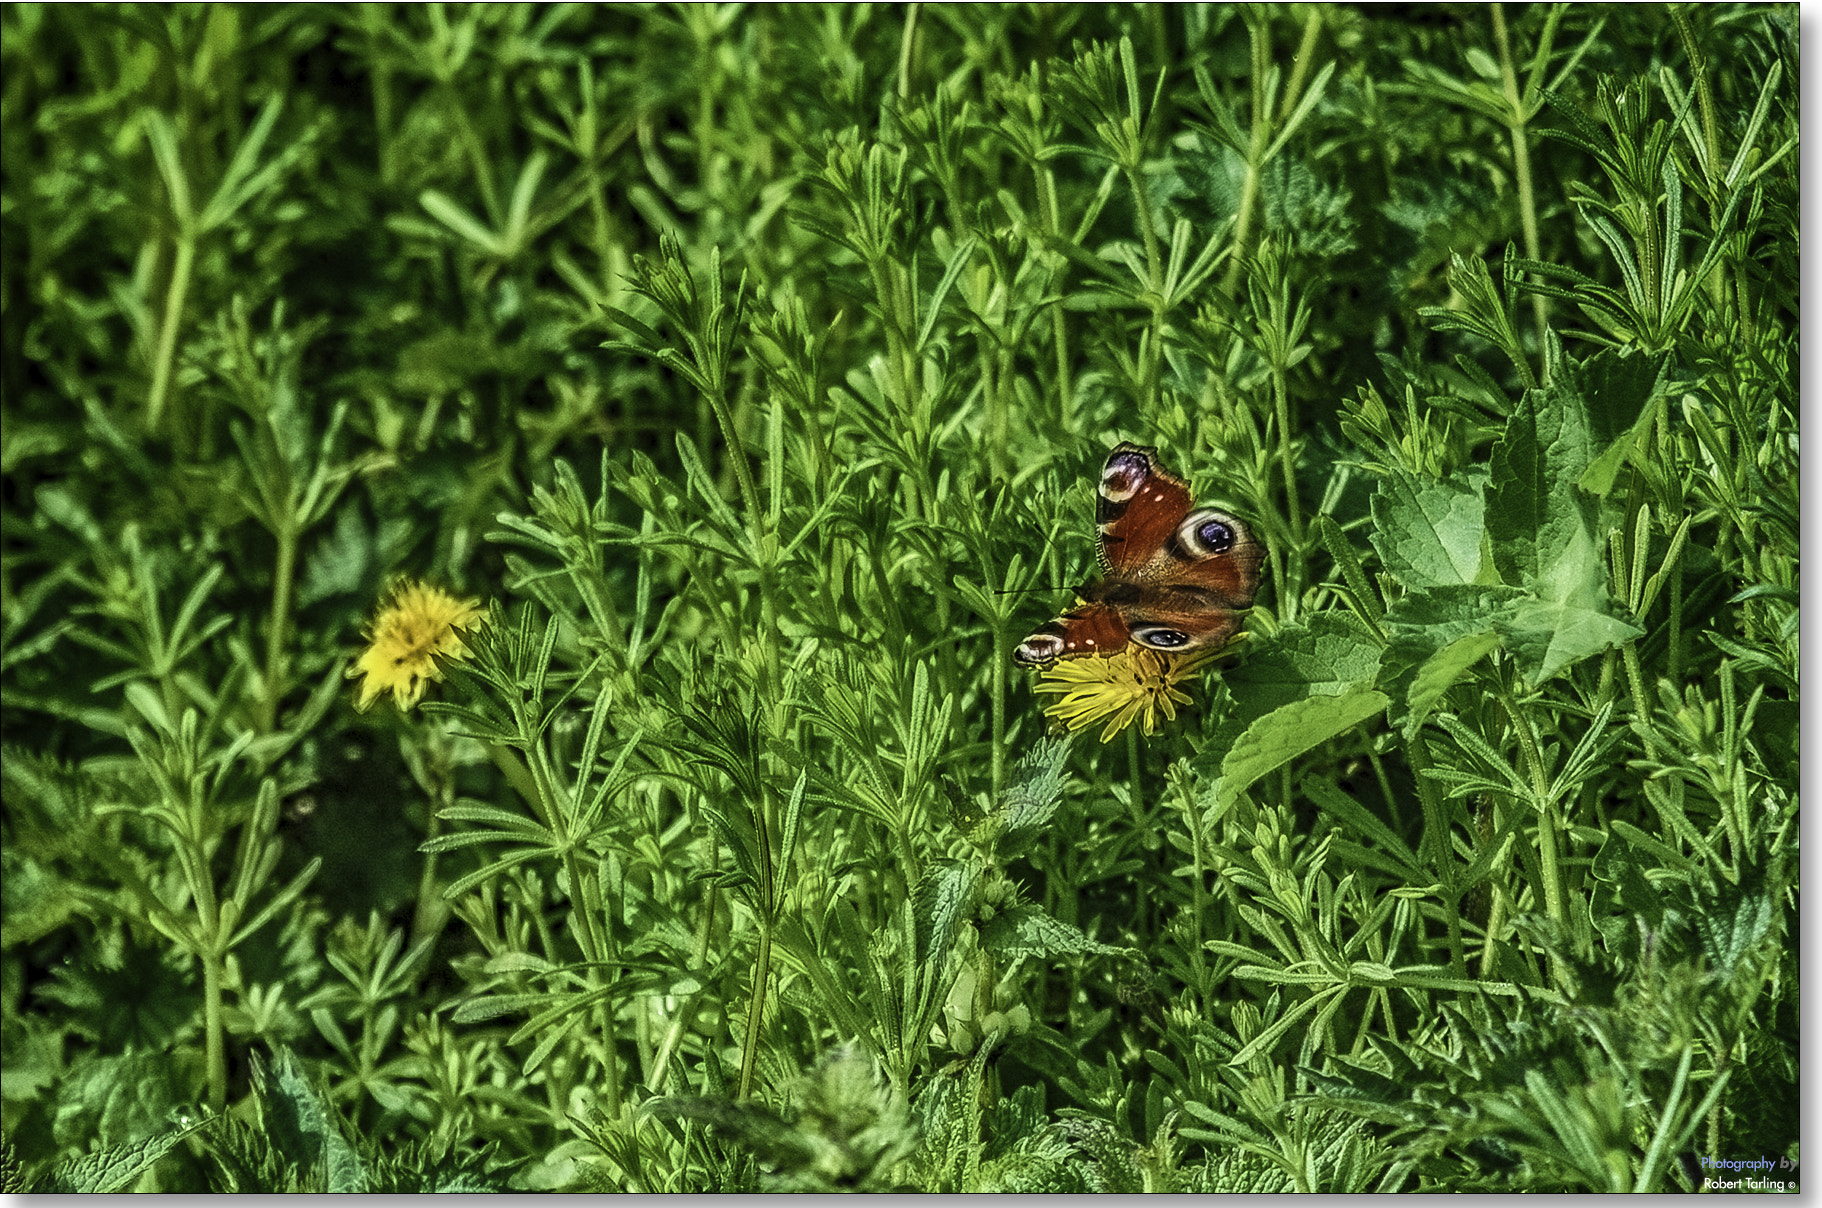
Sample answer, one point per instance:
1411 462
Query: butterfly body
1176 576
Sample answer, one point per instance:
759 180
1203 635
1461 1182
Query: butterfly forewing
1218 552
1137 512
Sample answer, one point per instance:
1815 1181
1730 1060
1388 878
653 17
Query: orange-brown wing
1150 535
1085 629
1139 507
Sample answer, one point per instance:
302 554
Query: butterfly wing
1176 577
1150 536
1085 629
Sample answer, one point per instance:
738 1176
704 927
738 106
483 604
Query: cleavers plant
753 365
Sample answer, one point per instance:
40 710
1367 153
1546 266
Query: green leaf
1326 654
1545 637
1734 922
303 1126
943 895
1287 732
1542 526
1432 533
1620 386
1548 535
114 1170
1441 671
460 221
1033 796
1028 931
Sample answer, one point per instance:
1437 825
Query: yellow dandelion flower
417 625
1135 684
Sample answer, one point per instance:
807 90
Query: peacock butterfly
1176 578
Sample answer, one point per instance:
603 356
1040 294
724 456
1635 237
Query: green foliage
753 364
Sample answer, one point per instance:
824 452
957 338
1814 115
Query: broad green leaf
1735 921
114 1170
1432 533
1326 655
1437 634
1029 931
1619 386
1442 671
943 895
1544 637
1541 524
1032 798
304 1127
1280 736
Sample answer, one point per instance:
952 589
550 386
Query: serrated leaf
1280 736
303 1127
1735 921
1619 385
1032 798
115 1170
942 896
1543 527
1431 533
1326 655
1545 637
1442 671
1028 931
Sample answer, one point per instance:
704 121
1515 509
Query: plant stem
1135 768
213 1029
762 972
278 632
1281 406
1300 63
1255 152
1548 821
997 688
165 358
1516 122
907 45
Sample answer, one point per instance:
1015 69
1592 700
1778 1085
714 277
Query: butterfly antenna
1051 546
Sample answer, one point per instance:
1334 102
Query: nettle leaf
943 896
1424 622
1028 931
1542 525
1033 796
1547 535
1441 671
115 1170
303 1126
1326 655
1625 897
1545 636
123 1099
1329 657
1437 635
1280 736
1735 920
1432 533
1619 386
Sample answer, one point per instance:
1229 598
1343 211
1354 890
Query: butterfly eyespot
1125 473
1161 639
1040 648
1215 535
1204 534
